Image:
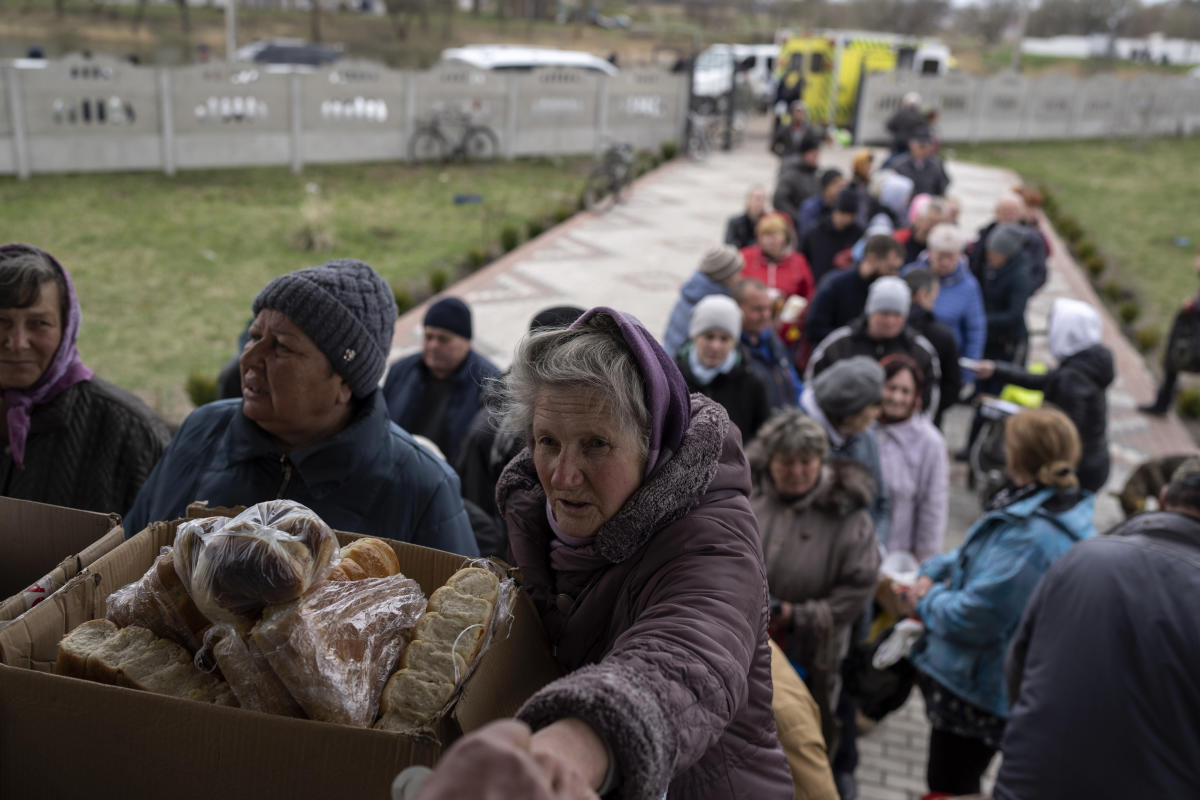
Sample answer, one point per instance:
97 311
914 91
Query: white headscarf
1074 326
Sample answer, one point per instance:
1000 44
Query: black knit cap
348 311
450 314
847 200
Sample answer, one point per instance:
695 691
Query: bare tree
988 20
314 20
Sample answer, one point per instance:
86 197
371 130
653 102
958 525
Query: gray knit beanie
721 263
716 311
889 293
347 309
1006 239
849 386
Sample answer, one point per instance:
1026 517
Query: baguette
365 558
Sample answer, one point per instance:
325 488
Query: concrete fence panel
8 143
558 112
95 114
646 107
1002 108
353 111
453 89
1098 106
1050 108
231 116
880 98
956 100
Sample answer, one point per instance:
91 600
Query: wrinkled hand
985 369
497 762
909 595
571 753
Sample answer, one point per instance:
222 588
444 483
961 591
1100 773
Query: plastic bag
249 674
160 602
270 553
335 647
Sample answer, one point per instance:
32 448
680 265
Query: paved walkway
636 257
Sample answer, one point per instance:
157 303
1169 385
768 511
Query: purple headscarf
668 403
65 369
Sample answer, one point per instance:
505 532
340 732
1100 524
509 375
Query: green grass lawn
166 268
1134 200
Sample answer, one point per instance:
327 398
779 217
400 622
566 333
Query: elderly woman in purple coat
629 517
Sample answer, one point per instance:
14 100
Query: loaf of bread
134 657
271 553
158 601
446 642
250 676
365 558
335 647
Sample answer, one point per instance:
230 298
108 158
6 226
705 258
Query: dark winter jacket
1077 386
796 183
698 287
904 124
852 340
928 176
823 243
1005 293
666 647
742 391
1105 696
405 386
840 298
369 478
925 323
775 365
739 232
91 448
1035 249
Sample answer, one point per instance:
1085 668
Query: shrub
561 214
510 237
201 388
1070 229
476 258
439 279
1112 290
1085 250
1147 338
1189 402
404 297
669 150
1128 311
1095 266
534 228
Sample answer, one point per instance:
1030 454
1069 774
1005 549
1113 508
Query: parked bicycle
609 178
453 135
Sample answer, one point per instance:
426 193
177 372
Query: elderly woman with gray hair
818 545
629 516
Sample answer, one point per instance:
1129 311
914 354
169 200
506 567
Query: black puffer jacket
1077 387
742 391
90 447
796 183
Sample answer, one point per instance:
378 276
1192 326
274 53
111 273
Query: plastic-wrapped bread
160 602
271 553
334 647
446 642
365 558
249 674
136 658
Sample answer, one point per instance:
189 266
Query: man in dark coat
1006 288
924 286
1105 701
312 425
922 166
1011 209
841 297
764 346
827 244
436 393
908 120
797 179
880 332
739 231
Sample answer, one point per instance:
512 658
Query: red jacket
790 276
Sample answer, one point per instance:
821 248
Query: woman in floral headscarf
71 439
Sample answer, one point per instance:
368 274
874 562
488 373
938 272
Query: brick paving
636 257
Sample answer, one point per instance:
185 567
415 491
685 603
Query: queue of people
697 526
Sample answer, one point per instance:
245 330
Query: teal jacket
981 588
369 478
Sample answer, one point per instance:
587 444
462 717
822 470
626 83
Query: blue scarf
705 375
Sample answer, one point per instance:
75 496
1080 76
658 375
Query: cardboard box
43 546
60 737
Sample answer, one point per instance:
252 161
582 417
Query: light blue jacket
980 591
698 287
959 306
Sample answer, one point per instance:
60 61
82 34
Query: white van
518 58
714 68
